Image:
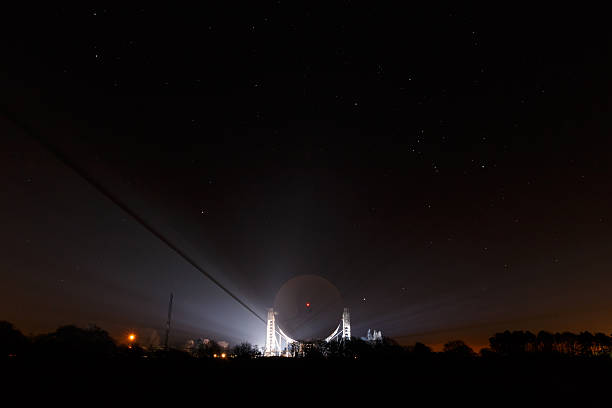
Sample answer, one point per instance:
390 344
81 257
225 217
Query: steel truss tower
343 331
275 338
346 324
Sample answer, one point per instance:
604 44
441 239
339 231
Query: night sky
443 172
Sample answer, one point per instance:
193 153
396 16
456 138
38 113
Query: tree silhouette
71 342
245 351
501 343
569 343
314 349
586 344
12 342
529 342
457 348
208 349
545 342
74 342
603 343
359 348
514 343
420 349
335 349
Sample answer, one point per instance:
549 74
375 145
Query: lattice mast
168 321
271 346
346 324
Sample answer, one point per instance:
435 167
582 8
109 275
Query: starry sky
445 171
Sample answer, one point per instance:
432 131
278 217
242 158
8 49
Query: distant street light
131 339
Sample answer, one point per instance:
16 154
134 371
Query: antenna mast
169 320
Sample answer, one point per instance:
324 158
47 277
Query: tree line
95 343
72 342
521 342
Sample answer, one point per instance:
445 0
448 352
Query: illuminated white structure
343 331
275 336
374 335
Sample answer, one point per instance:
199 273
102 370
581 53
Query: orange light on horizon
131 337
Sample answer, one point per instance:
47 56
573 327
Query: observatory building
373 335
277 342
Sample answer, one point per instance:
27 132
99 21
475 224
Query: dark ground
436 381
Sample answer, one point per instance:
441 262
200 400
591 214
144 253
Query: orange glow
132 337
223 355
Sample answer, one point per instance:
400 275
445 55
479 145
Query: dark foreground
533 381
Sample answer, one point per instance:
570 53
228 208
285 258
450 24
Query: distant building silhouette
373 335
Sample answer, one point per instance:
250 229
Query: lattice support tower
346 324
275 338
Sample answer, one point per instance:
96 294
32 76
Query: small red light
307 304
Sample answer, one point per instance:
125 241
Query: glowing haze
443 172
